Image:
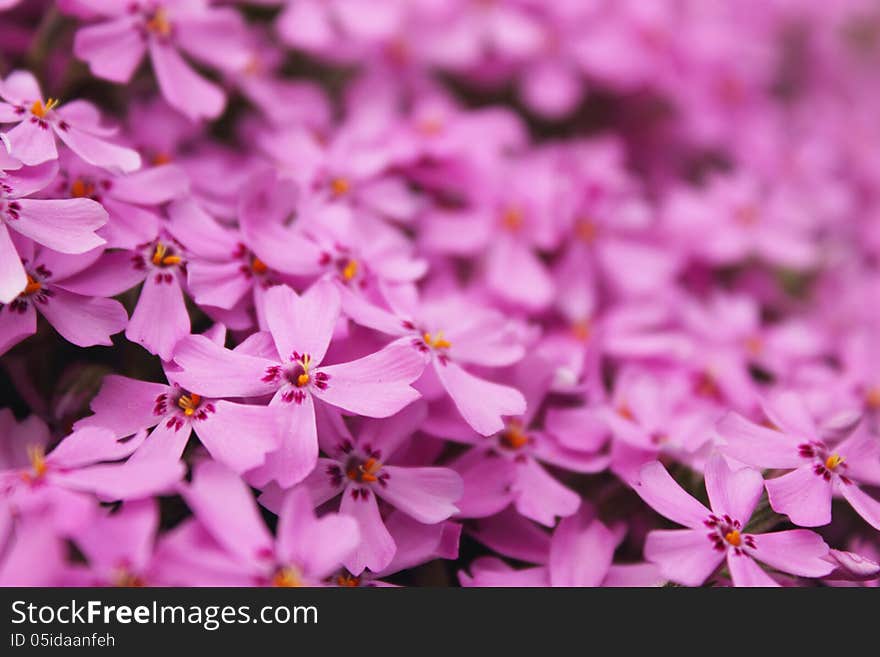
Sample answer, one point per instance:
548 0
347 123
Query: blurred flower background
439 292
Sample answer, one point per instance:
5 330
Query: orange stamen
31 287
873 398
515 437
340 186
40 111
159 23
81 189
582 329
833 461
437 342
350 270
512 219
754 345
287 577
586 230
161 260
258 266
37 456
734 538
348 581
189 403
366 471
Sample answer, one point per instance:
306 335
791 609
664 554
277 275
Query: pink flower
580 553
230 545
58 484
237 435
448 331
67 226
119 548
77 124
132 201
690 556
82 320
285 363
114 48
819 468
160 263
362 470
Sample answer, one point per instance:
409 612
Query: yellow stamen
161 260
287 577
340 186
586 230
159 23
189 403
734 538
258 266
39 110
32 286
350 270
304 378
438 342
37 456
512 219
833 461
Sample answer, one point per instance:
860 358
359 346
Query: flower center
189 403
124 578
158 23
364 472
587 230
515 437
32 287
349 581
754 345
826 462
512 219
258 266
349 269
437 341
340 186
747 215
727 533
299 374
582 329
872 399
287 577
82 189
164 257
40 111
37 457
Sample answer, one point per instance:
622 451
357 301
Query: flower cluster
408 292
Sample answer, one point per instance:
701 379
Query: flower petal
663 494
802 495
